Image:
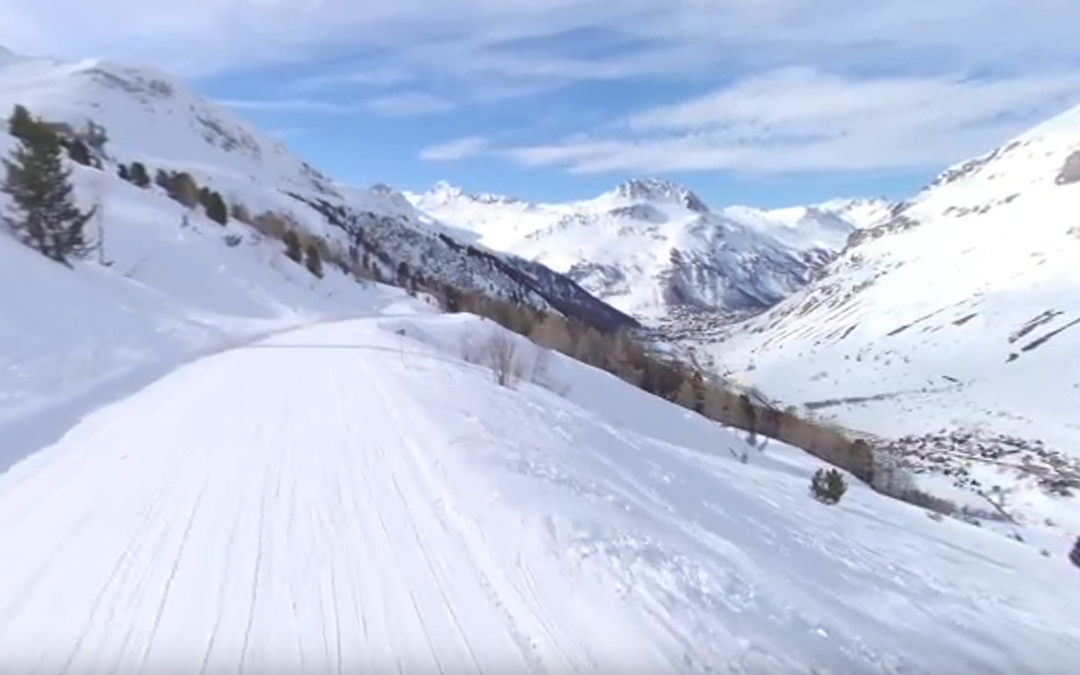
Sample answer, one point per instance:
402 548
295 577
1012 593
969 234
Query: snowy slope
153 118
651 247
169 294
959 313
312 503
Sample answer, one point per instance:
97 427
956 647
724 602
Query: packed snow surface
352 497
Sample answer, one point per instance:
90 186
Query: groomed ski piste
212 462
353 496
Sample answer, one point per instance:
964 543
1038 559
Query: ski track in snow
319 503
281 535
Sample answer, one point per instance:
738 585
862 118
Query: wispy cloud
288 105
460 148
387 105
801 119
408 103
795 84
523 39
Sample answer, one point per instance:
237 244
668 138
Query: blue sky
766 102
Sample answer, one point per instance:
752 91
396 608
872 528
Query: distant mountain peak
445 192
660 190
445 189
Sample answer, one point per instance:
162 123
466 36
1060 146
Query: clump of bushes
828 486
181 187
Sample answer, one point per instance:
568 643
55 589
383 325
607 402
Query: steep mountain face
960 311
154 119
654 249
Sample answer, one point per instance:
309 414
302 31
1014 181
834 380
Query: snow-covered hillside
212 460
960 313
154 119
653 248
170 292
354 497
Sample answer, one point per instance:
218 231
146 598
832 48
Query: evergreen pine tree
1074 555
162 179
22 125
44 215
216 208
123 171
139 175
78 152
828 486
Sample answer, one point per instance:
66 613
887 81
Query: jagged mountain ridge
654 249
155 119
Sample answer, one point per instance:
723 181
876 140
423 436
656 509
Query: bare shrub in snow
293 249
828 486
499 353
998 498
926 500
890 476
272 225
313 260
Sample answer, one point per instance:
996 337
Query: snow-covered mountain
654 249
955 323
213 460
154 119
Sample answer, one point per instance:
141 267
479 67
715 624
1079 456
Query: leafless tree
500 354
997 498
99 187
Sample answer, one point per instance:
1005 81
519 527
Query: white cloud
288 105
456 37
799 120
899 96
408 103
460 148
388 105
